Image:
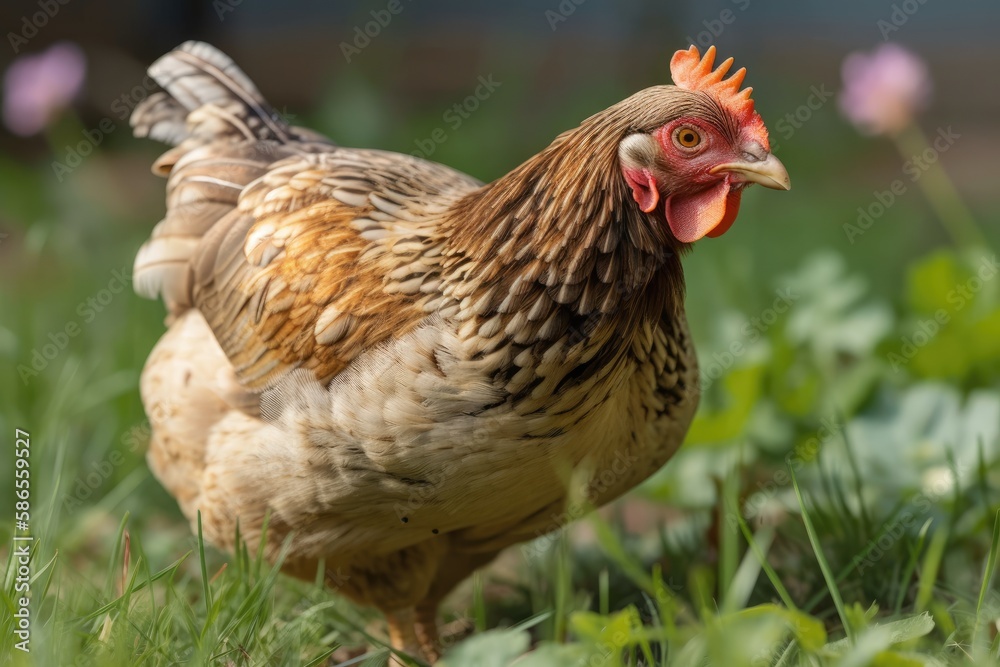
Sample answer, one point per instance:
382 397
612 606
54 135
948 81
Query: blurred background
831 289
329 66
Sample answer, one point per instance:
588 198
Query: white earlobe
638 151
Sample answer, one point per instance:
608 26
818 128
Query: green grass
827 509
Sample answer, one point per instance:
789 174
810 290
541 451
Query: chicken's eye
687 137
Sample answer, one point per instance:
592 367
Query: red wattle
732 210
709 212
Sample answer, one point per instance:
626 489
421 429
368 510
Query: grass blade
204 568
772 576
824 566
929 571
991 563
911 565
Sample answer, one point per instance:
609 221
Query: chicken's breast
410 448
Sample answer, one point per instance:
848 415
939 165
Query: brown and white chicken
400 367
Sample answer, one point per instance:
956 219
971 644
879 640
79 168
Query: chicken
401 370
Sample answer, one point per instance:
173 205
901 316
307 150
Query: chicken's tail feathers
205 96
225 136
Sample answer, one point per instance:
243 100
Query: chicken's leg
402 636
426 629
454 568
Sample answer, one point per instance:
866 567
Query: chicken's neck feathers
564 224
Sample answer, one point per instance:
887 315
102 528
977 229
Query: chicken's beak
768 172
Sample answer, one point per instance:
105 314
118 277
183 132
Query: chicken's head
697 162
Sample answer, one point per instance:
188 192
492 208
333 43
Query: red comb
690 70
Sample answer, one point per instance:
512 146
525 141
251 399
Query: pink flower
884 89
39 86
